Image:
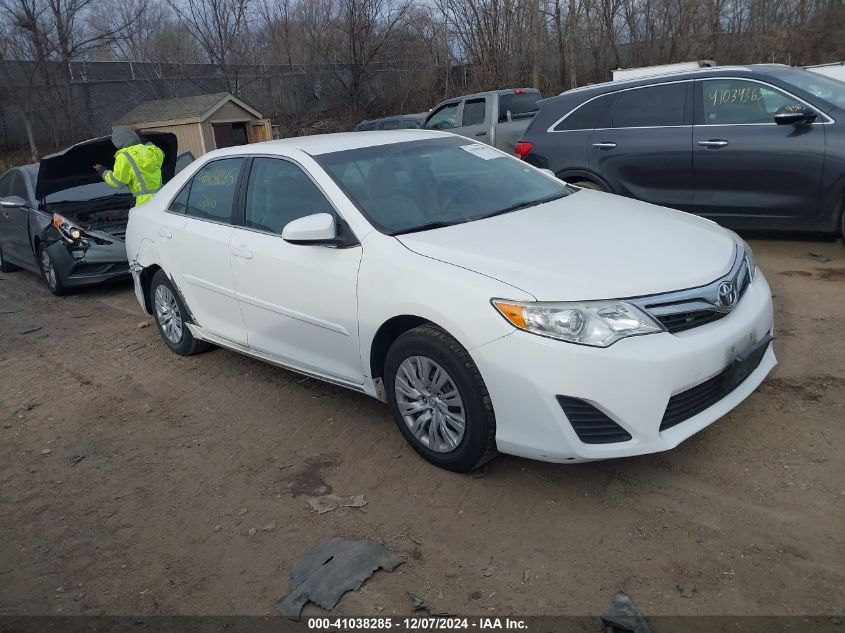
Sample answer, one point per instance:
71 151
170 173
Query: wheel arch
146 279
573 176
388 332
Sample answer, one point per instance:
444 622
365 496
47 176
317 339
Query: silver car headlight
596 323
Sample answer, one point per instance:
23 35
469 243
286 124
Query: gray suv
751 147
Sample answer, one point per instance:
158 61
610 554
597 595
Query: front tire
439 400
169 313
49 273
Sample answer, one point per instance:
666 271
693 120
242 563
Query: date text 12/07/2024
417 623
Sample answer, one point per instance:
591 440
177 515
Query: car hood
588 245
74 166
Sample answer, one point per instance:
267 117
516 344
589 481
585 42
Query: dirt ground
134 481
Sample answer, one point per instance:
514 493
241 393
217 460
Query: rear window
366 127
519 105
651 107
589 116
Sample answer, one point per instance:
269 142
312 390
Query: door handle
713 143
165 233
242 253
604 145
481 133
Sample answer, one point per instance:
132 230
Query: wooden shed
201 123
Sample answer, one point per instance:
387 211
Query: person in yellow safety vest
137 165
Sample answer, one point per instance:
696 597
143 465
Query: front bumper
630 382
84 267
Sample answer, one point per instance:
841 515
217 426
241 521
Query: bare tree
221 28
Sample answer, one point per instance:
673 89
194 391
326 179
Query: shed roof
183 109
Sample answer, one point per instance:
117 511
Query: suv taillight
523 148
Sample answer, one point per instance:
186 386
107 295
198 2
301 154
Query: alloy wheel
430 404
168 314
48 269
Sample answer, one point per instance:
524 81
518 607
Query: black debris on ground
328 571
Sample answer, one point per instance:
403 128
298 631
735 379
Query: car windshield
425 184
827 88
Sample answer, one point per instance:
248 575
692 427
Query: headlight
596 323
749 259
68 229
743 247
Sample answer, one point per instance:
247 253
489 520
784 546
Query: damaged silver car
59 220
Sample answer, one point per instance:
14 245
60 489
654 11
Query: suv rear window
651 107
589 116
521 104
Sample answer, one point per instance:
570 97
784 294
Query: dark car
752 147
60 220
399 122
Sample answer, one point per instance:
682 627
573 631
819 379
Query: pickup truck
497 118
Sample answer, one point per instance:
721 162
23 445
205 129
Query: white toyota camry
492 306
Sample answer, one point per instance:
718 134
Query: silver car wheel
168 314
430 404
47 267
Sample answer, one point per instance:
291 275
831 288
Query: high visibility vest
137 167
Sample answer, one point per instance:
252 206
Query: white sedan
495 308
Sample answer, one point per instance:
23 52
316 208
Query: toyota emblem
726 295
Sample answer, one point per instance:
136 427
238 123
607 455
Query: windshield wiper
428 226
525 204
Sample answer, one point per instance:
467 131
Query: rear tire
169 314
589 184
440 389
6 267
49 273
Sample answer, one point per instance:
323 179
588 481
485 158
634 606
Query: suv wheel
439 400
589 184
169 314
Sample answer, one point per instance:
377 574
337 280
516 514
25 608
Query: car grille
687 309
680 321
682 406
591 425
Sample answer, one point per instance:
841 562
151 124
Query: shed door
222 135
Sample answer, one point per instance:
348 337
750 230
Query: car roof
325 143
676 75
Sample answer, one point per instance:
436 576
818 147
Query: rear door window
589 116
735 101
410 124
475 111
444 118
654 106
390 125
211 195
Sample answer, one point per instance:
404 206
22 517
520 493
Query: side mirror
317 229
12 202
795 114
